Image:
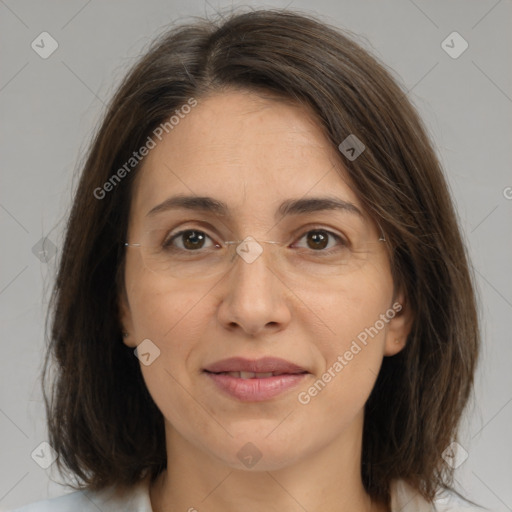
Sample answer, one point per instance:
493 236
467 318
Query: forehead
246 150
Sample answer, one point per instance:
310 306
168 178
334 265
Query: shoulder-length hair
102 421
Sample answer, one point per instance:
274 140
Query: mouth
254 375
265 365
255 380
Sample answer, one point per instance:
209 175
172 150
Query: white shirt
403 499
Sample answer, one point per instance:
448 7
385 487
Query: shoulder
406 499
72 501
451 502
135 500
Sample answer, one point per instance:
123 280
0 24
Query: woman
263 223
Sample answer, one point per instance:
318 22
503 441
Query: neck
328 480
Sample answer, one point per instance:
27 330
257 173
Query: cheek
347 308
161 307
174 318
349 337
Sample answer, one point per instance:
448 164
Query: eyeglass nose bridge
249 249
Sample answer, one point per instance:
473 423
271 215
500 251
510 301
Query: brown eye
317 239
320 239
193 239
187 240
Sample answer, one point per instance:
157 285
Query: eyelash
167 244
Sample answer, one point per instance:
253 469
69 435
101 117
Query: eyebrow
288 207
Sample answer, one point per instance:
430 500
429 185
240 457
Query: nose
254 299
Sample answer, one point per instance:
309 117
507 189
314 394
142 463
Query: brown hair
102 421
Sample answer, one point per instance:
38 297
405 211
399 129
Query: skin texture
252 153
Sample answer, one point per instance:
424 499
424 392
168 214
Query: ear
125 319
399 326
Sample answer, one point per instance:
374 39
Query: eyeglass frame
382 238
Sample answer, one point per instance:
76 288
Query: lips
258 367
252 375
255 380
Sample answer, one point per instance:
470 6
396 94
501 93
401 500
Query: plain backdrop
50 108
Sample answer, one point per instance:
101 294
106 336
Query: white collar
404 498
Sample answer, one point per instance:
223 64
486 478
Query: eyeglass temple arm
382 238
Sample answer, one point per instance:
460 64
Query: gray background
49 108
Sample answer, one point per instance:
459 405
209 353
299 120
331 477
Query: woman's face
321 300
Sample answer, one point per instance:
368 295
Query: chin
256 450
